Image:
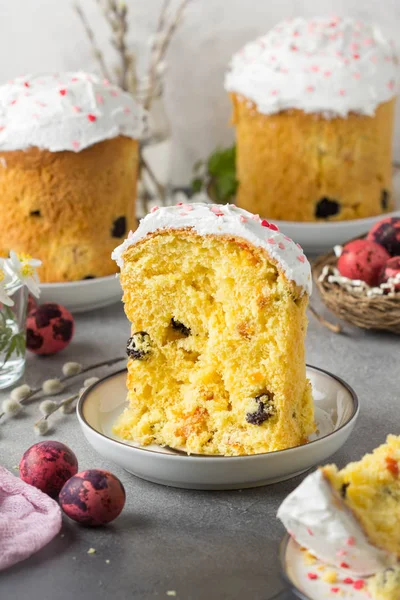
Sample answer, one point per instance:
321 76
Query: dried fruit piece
178 326
119 227
139 346
326 207
265 410
385 197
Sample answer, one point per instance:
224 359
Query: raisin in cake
68 170
350 516
217 300
313 105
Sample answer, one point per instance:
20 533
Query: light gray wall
45 35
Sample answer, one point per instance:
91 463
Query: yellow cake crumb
330 576
309 559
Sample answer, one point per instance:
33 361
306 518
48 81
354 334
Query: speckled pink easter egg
93 497
47 466
392 269
364 260
32 304
49 329
387 233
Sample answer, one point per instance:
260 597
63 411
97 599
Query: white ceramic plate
317 238
296 573
81 296
336 413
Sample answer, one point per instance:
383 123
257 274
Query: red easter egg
47 466
363 259
93 497
32 304
387 233
391 269
49 329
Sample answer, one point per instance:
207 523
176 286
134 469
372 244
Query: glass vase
13 335
154 184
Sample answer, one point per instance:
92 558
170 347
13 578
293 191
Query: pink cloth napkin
29 519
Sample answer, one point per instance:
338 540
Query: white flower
47 407
71 368
21 392
11 407
4 279
41 427
24 267
52 386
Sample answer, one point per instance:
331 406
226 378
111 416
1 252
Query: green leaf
10 350
197 185
222 161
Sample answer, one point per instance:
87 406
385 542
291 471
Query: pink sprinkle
106 82
344 565
309 532
301 258
187 207
2 127
348 581
298 245
282 246
76 109
391 84
357 75
215 209
287 238
243 219
312 576
99 98
74 79
359 584
296 33
41 103
294 48
91 117
273 227
264 223
271 241
113 92
274 92
342 92
255 217
310 88
127 110
26 84
341 553
356 56
62 92
13 102
154 209
327 73
351 541
354 46
335 590
179 204
314 68
75 144
368 42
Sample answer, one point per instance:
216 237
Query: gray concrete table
175 543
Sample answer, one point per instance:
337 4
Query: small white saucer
84 295
317 238
336 413
297 574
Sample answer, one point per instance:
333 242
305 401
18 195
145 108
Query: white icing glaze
321 523
332 66
65 111
217 219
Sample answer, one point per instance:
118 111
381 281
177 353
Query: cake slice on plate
217 299
350 517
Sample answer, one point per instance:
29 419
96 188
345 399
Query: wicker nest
369 312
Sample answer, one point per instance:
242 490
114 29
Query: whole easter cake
216 298
313 105
68 170
350 518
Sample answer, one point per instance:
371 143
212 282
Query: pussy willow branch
64 402
104 363
92 39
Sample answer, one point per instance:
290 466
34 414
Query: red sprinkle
344 565
264 223
309 532
348 580
273 227
351 541
282 246
13 102
271 241
312 576
359 584
91 117
62 92
26 84
335 590
356 56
